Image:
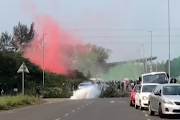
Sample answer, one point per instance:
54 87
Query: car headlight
144 98
168 102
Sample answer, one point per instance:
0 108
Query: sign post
22 69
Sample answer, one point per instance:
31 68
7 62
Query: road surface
97 109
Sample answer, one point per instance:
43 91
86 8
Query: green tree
22 35
6 42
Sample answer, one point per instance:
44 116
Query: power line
175 42
129 36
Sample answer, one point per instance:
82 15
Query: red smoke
58 44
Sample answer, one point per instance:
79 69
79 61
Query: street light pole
144 59
139 60
169 62
43 59
151 48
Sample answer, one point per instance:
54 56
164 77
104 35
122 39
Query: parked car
142 96
133 93
165 100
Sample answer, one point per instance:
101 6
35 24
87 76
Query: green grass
9 102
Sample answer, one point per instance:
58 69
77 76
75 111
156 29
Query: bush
111 92
56 92
8 102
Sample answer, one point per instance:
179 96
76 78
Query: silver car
165 100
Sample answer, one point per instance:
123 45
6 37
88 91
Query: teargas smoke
90 92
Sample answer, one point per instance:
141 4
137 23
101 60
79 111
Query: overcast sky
120 25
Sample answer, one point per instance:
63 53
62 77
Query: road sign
22 69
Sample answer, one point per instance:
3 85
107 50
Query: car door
137 96
153 98
156 99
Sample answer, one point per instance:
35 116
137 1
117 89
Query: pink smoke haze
58 44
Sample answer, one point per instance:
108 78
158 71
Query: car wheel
130 103
136 107
150 110
161 115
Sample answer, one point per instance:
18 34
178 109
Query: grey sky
119 25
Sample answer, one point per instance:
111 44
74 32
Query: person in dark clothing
38 91
1 88
5 88
122 86
15 86
173 80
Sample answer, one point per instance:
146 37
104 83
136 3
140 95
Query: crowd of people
120 85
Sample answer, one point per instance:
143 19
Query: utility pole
43 60
151 51
169 31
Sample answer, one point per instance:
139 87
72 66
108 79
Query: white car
154 77
142 96
165 100
84 85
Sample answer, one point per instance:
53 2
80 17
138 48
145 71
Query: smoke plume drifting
58 43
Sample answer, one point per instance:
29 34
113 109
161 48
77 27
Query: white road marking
112 101
73 111
66 114
148 119
78 108
143 111
146 115
58 119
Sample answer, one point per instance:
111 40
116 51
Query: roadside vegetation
111 92
10 102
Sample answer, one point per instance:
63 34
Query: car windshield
156 78
171 90
148 88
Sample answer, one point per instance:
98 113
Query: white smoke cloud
90 92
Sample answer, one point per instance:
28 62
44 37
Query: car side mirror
157 94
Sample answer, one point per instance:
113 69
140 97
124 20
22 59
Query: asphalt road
97 109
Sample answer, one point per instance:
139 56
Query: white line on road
73 111
66 114
146 115
143 111
112 102
78 108
58 119
148 119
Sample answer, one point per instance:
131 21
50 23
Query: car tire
130 103
150 110
161 115
136 107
